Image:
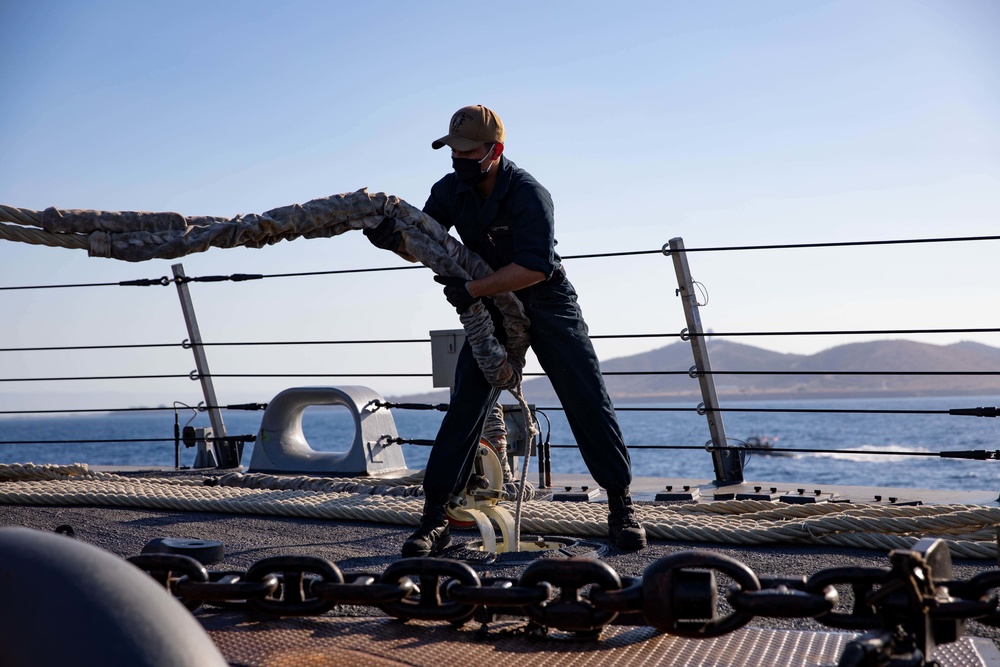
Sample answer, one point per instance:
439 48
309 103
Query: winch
479 505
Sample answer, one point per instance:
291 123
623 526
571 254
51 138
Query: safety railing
726 456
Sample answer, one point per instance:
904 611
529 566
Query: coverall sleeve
534 229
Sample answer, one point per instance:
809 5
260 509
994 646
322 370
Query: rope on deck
969 530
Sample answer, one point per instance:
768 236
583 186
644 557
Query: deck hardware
282 445
205 552
627 601
429 604
693 372
913 611
203 375
208 453
758 494
297 575
584 495
982 588
727 465
170 569
498 593
223 586
862 581
673 496
363 588
478 505
145 282
676 594
679 593
780 594
803 498
975 412
571 611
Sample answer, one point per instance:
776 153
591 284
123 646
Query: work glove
456 292
384 235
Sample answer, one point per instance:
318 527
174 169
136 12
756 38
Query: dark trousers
560 339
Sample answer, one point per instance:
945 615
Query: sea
892 449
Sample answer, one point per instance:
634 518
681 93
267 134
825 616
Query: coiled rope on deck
969 530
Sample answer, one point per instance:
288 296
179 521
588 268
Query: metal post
200 360
728 468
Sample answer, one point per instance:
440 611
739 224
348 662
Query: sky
721 122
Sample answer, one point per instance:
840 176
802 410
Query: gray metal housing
281 445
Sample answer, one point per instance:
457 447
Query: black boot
434 535
623 526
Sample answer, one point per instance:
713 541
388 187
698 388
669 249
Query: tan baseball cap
470 128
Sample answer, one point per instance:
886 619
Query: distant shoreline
442 397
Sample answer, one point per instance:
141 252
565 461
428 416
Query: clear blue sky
724 123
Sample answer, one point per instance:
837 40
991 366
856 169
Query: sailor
504 215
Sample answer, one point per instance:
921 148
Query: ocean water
866 445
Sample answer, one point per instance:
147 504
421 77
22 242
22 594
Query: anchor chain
907 608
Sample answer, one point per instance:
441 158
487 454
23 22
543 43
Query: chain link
571 610
677 594
427 602
297 575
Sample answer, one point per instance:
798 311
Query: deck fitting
533 548
584 494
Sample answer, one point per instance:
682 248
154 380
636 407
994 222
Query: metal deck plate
381 642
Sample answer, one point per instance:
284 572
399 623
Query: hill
884 355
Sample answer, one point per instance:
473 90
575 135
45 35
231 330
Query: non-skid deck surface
381 642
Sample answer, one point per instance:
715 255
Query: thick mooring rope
138 236
969 530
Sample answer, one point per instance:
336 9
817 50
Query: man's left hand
456 292
384 235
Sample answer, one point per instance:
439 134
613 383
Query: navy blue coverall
516 224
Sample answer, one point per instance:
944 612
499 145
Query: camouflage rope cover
135 236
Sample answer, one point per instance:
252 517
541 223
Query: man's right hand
384 235
456 292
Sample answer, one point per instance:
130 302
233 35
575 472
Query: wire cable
394 341
242 277
162 408
836 244
195 376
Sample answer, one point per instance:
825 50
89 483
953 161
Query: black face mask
468 170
